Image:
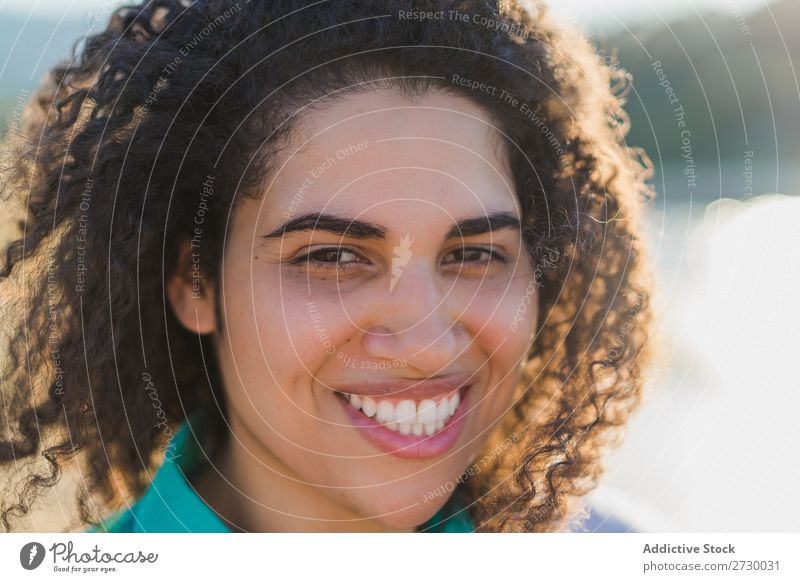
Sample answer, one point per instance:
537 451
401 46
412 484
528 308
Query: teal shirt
171 505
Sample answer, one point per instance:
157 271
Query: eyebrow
361 229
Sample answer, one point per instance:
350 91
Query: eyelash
493 254
334 265
325 265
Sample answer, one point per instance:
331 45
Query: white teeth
405 411
453 403
407 416
385 412
426 411
441 410
369 406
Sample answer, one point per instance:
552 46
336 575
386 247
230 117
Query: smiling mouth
424 417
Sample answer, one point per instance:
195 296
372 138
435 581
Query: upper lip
409 388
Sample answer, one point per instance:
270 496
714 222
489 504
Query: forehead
380 151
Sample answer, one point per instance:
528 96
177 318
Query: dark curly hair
118 141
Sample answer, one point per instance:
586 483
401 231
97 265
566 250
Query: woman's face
369 342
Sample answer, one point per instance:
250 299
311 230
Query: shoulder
452 517
170 504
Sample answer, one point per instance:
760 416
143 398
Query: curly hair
117 142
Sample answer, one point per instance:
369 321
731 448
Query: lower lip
409 446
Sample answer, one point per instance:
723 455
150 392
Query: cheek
293 332
506 316
265 354
280 338
303 331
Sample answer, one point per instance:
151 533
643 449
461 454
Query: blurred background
715 102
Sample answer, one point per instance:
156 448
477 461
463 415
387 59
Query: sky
589 14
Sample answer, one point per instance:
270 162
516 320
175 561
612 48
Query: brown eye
330 259
474 256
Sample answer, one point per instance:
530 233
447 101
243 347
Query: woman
341 266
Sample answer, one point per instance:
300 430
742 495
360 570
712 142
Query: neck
254 491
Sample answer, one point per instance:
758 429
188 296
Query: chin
408 509
411 517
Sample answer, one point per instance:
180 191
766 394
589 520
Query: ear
190 294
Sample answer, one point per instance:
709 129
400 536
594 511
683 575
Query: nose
415 321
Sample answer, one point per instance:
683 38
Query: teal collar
171 504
